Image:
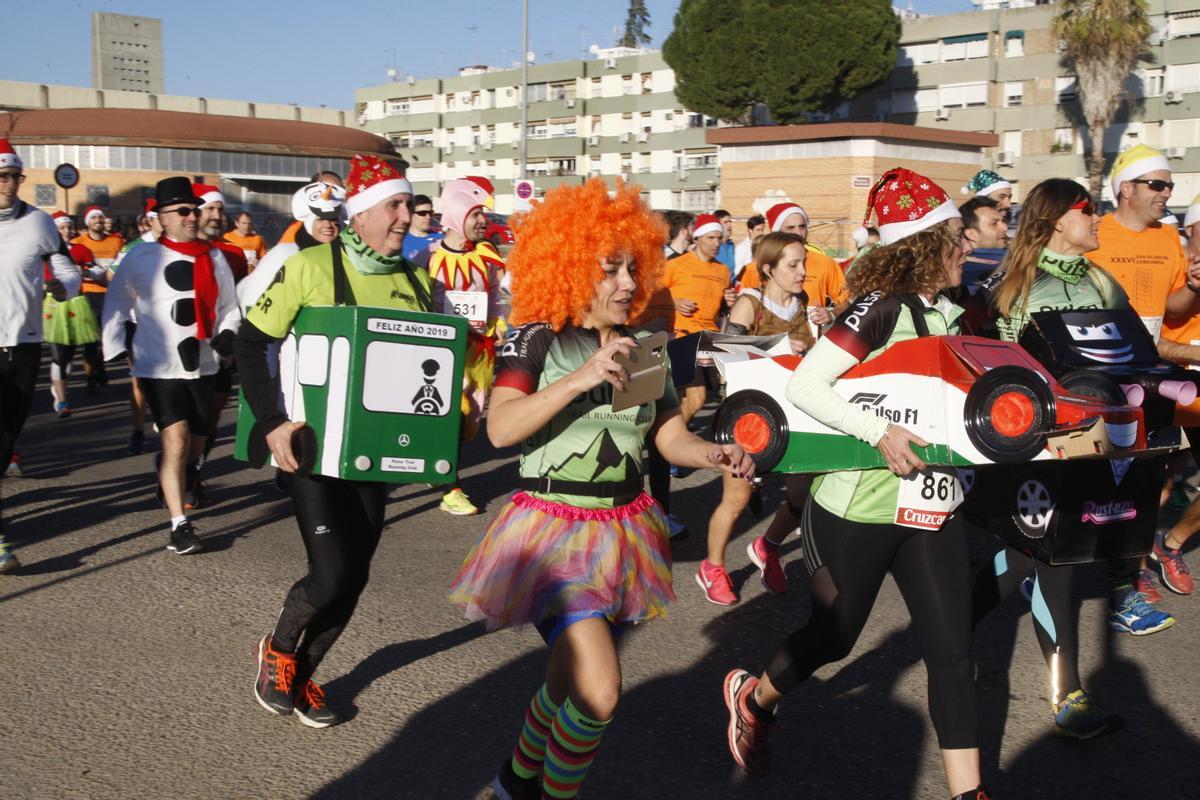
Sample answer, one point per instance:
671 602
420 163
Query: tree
635 25
1102 42
794 56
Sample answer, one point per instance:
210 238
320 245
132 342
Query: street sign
524 192
66 176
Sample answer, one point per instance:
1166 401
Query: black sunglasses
426 213
1156 185
183 211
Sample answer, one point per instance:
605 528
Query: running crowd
581 550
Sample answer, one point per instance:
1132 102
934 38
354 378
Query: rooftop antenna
474 29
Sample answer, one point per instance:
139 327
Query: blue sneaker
1077 717
8 562
1135 615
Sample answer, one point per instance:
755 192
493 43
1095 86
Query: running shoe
1143 581
1136 616
14 470
1179 499
978 793
311 710
183 539
196 496
747 734
63 410
8 562
456 502
676 530
715 582
273 688
766 558
1174 573
137 441
1076 717
508 786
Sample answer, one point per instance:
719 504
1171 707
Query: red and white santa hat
92 211
371 181
207 194
60 217
777 213
151 205
707 223
904 202
8 156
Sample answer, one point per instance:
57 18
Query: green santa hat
985 182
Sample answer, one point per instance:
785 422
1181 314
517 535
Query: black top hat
171 191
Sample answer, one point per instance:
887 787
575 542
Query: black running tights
1054 620
19 367
847 562
340 523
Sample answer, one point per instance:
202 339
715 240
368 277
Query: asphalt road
128 670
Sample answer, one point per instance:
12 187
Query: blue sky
317 53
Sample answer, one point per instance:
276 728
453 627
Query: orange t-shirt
690 278
823 277
252 246
1149 265
104 251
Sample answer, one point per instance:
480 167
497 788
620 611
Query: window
1014 44
1183 77
964 95
647 88
537 131
1064 89
958 48
392 107
921 53
562 166
1014 94
1185 24
1010 143
97 194
1152 82
537 92
45 194
926 99
1064 140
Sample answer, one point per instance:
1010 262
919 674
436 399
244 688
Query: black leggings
340 523
1057 628
797 487
847 562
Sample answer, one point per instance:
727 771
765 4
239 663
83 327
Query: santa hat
151 204
207 194
1134 163
60 217
463 196
777 213
860 236
706 224
8 156
984 183
1193 213
92 211
905 203
372 180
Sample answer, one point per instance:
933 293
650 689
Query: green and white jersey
306 279
587 441
869 326
1092 288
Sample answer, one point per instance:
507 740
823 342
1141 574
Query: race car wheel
756 422
1090 383
1032 509
1008 412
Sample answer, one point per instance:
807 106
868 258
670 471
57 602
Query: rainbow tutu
540 559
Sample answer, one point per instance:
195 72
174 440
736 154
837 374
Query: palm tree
1102 40
635 25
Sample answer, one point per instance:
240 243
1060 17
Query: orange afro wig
556 262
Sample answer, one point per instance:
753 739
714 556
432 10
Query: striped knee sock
530 751
573 744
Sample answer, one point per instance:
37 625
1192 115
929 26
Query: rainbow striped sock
573 744
530 751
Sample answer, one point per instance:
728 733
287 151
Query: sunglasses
183 211
1086 206
1156 185
426 213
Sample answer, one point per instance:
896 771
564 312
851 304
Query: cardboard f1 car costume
981 403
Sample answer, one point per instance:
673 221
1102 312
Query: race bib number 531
928 498
471 305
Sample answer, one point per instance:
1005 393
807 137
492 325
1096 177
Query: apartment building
994 70
614 115
998 70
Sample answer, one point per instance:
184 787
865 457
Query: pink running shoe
715 582
766 558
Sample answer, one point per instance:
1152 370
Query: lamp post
524 85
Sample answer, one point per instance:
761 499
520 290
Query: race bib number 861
927 499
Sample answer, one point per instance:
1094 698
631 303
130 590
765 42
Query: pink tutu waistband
577 514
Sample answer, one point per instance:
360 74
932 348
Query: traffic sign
66 176
523 189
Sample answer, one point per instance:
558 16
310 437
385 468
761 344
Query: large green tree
636 23
1102 42
795 56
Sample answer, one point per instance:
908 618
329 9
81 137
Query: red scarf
204 282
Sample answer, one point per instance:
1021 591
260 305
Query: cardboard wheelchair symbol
380 390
